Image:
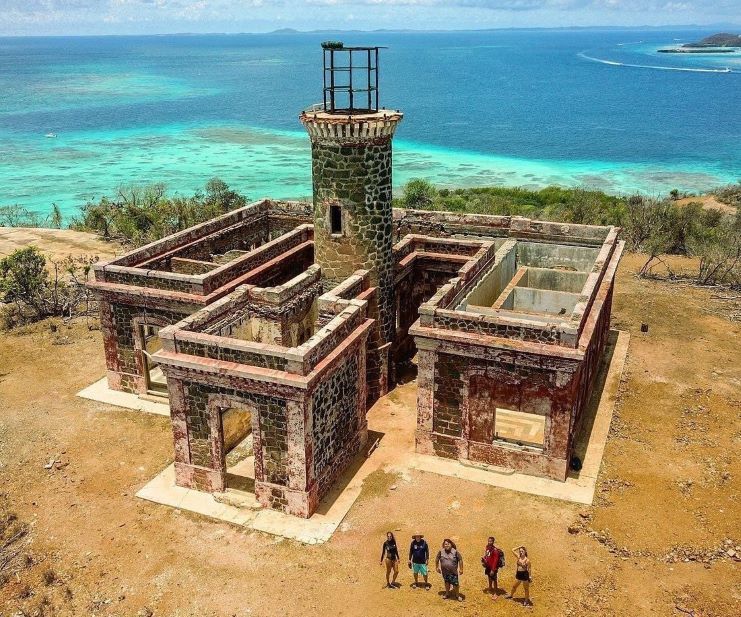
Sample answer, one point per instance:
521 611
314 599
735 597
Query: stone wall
358 178
120 325
206 447
456 414
335 418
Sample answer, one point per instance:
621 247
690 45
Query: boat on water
50 135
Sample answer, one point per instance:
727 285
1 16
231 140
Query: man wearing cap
419 556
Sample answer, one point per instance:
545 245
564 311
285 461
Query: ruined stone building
282 322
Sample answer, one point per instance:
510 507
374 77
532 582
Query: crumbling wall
459 395
123 345
200 447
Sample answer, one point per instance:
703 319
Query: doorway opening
239 450
156 381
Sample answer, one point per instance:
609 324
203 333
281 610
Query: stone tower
351 168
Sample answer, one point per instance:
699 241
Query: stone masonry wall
272 423
456 409
356 177
335 418
120 323
447 417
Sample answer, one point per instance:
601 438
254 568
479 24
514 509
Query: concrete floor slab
100 392
315 530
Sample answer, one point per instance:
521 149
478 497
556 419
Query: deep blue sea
529 108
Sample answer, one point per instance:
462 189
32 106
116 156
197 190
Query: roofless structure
273 328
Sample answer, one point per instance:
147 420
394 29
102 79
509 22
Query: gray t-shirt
449 561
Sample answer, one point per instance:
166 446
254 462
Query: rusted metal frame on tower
331 80
352 105
376 78
324 77
368 64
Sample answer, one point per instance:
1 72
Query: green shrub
141 214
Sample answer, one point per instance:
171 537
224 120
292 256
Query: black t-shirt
389 548
419 552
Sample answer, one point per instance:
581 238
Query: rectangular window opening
335 219
519 428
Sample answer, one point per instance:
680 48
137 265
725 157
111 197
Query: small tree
419 194
719 250
221 197
24 280
37 289
583 208
650 227
55 219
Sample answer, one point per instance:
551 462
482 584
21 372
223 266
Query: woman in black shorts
390 554
522 573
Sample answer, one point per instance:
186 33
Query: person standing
390 554
419 557
492 560
449 563
523 573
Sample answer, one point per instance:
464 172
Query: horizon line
289 31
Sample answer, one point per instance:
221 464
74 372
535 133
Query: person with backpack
419 557
449 563
390 554
492 560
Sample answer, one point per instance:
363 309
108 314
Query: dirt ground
658 540
708 202
56 243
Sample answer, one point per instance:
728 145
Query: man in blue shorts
419 557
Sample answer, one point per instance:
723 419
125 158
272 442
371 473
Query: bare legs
526 588
416 580
493 587
391 566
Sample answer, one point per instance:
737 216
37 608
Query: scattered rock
685 554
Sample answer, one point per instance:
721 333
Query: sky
72 17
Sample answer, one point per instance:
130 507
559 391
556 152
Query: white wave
655 67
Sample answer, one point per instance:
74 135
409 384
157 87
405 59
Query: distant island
722 43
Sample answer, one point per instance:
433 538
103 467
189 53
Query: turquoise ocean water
530 108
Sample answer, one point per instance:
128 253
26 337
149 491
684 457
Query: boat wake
652 66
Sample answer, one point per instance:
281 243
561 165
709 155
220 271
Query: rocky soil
662 537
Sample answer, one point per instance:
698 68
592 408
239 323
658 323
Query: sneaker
414 585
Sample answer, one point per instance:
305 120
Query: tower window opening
335 219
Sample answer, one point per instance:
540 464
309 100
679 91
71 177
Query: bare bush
33 288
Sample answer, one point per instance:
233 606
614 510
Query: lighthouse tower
351 168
